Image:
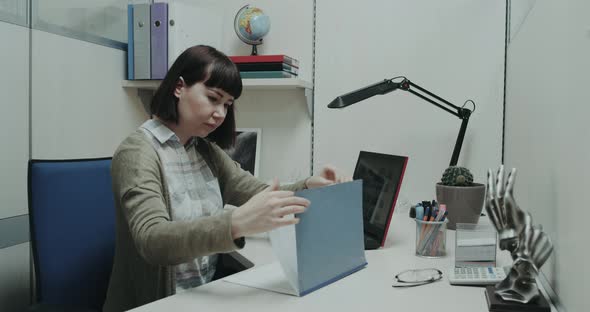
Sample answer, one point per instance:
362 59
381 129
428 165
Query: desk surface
367 289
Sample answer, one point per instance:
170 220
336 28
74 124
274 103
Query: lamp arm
462 113
459 142
389 85
433 102
406 84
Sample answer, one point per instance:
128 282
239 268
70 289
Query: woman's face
201 109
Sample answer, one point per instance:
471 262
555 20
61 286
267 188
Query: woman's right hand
266 210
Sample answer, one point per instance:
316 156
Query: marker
444 216
441 213
434 214
426 214
419 212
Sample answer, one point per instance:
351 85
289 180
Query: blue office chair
72 221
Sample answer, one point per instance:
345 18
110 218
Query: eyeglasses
418 277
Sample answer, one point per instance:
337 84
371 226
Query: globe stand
254 50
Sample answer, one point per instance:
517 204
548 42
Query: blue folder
329 235
326 245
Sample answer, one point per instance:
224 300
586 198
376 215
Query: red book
270 58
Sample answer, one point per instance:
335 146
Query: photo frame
247 149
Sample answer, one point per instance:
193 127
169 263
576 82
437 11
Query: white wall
14 135
453 48
547 134
286 132
79 109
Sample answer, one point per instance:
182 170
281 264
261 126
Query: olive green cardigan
148 242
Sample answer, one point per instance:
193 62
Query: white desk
366 290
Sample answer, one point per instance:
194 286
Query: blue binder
130 42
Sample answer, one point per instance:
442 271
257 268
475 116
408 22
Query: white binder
193 24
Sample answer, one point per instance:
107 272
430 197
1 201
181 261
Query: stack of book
266 66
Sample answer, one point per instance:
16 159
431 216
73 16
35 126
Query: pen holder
431 238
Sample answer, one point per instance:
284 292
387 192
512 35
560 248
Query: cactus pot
464 203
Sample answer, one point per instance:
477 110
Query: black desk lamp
389 85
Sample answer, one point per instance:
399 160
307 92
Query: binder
141 41
130 42
193 24
159 40
326 245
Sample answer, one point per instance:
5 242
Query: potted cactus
463 198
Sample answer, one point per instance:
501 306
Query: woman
180 199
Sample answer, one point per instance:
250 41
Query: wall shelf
145 88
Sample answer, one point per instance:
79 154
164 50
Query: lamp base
497 304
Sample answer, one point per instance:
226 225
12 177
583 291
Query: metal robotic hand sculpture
529 245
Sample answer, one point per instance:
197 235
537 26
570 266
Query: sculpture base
497 304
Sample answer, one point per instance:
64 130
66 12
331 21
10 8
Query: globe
251 25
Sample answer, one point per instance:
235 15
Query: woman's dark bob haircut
200 64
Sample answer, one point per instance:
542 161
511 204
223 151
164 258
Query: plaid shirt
194 192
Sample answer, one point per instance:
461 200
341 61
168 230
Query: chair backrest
72 221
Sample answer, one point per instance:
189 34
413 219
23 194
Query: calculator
476 275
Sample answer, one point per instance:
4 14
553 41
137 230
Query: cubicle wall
99 21
453 48
79 109
547 109
61 98
14 135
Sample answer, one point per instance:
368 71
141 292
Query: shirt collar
162 133
159 131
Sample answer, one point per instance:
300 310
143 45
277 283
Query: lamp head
361 94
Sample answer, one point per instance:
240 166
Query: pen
429 236
424 227
439 218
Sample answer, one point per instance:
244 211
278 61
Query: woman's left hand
329 175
